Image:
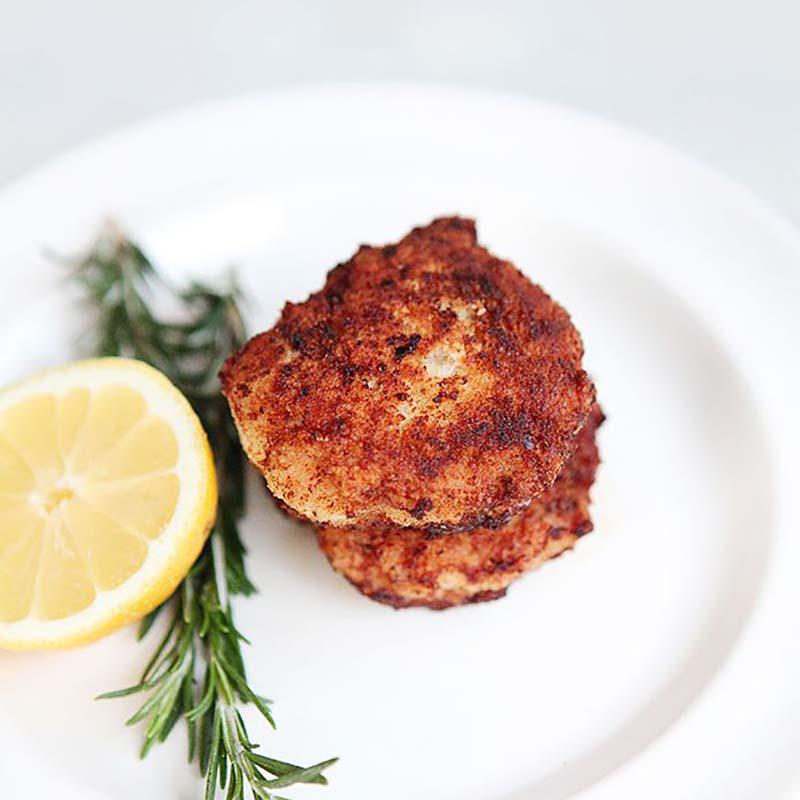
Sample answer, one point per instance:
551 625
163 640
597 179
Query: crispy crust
404 568
428 384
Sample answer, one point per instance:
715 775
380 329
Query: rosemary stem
120 284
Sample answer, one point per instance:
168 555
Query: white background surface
718 78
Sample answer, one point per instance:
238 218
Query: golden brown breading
403 567
429 384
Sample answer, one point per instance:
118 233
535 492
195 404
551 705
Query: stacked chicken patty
428 413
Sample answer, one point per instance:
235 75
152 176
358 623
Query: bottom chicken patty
405 567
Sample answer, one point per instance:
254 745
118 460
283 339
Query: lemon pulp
94 461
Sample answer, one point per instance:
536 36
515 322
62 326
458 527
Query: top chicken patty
427 385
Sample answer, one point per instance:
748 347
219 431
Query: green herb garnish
201 640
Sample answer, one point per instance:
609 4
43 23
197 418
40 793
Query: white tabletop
720 79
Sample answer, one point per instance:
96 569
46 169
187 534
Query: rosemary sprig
124 288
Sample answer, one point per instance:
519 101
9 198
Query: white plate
662 658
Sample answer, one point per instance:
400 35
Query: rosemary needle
201 639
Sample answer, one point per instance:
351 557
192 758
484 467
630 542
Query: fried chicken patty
403 567
427 385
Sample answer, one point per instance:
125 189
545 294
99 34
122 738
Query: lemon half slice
107 493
